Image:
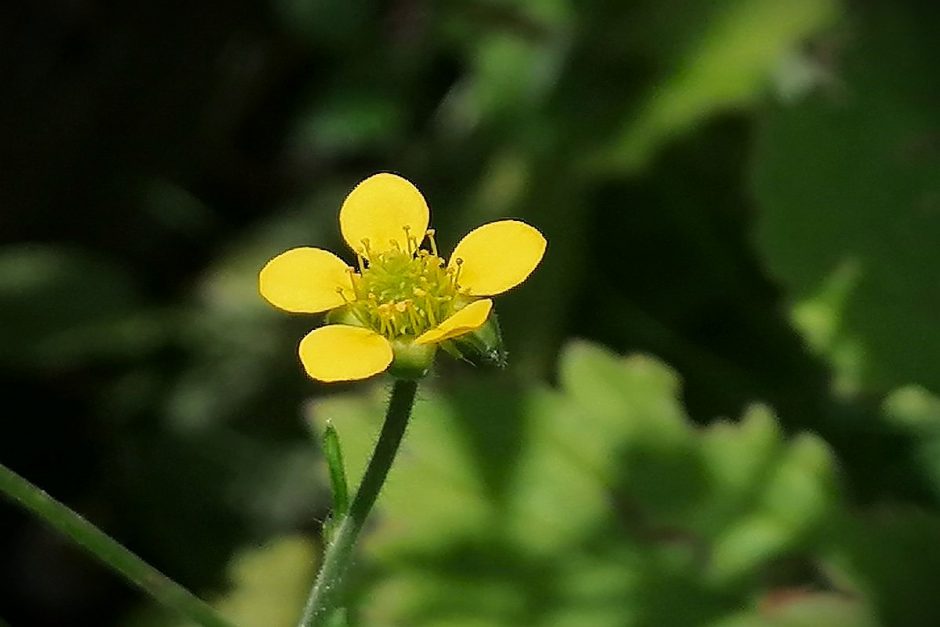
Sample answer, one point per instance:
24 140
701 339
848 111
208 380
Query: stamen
430 235
459 263
352 307
414 315
383 311
404 289
410 240
352 281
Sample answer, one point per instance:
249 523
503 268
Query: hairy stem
107 550
322 600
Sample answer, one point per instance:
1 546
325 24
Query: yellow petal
379 208
304 280
340 352
498 256
467 319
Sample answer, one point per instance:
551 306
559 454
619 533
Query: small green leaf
333 453
483 347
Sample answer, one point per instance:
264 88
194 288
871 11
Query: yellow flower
402 300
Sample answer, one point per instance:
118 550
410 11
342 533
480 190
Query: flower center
403 291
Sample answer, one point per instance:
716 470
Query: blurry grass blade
107 550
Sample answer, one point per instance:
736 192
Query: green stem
322 600
108 551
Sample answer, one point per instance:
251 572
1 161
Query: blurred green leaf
348 123
511 77
892 557
728 65
268 586
915 413
801 608
60 306
848 182
325 22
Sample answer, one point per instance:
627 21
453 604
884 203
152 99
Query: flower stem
107 550
322 600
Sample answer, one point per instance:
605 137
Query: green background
723 400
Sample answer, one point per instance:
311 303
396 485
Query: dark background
746 190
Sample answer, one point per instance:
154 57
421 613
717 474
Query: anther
414 315
429 314
459 263
410 239
352 281
430 236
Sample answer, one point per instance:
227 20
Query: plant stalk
322 600
107 550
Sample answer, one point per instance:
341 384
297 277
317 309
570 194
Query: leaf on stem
333 452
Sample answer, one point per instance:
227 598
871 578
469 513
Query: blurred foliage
727 63
848 182
597 504
600 503
269 586
104 316
745 189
